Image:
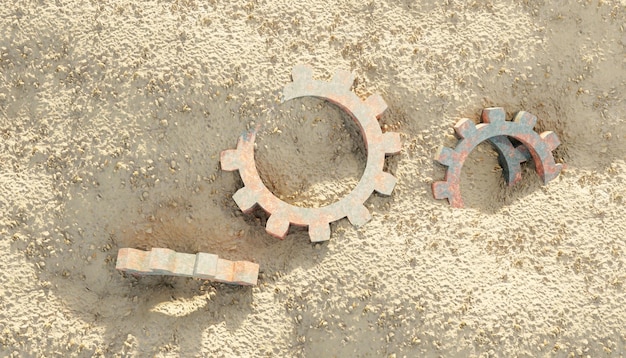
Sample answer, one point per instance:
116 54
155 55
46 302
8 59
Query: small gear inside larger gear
495 128
378 144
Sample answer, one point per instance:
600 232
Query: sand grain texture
113 115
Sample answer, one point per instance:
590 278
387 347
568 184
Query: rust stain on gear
494 126
378 144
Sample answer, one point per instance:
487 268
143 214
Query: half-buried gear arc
378 144
539 146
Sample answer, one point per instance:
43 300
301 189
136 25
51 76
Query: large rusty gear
537 146
318 220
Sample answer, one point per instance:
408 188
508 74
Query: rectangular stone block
245 273
163 261
224 272
184 264
133 261
206 266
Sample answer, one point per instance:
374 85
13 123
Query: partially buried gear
495 128
378 144
162 261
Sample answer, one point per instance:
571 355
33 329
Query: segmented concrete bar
160 261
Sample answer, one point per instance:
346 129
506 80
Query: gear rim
378 145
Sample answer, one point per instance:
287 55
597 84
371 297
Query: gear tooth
229 159
527 119
359 215
289 92
245 273
465 128
445 156
392 142
162 261
247 139
245 199
384 183
441 190
301 73
277 225
133 261
550 139
319 231
551 172
344 79
456 202
493 115
376 104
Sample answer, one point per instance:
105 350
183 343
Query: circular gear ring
318 220
494 126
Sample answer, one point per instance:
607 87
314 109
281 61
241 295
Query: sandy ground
113 115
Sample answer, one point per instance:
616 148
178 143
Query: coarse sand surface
113 115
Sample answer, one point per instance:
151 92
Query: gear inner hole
310 153
482 182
